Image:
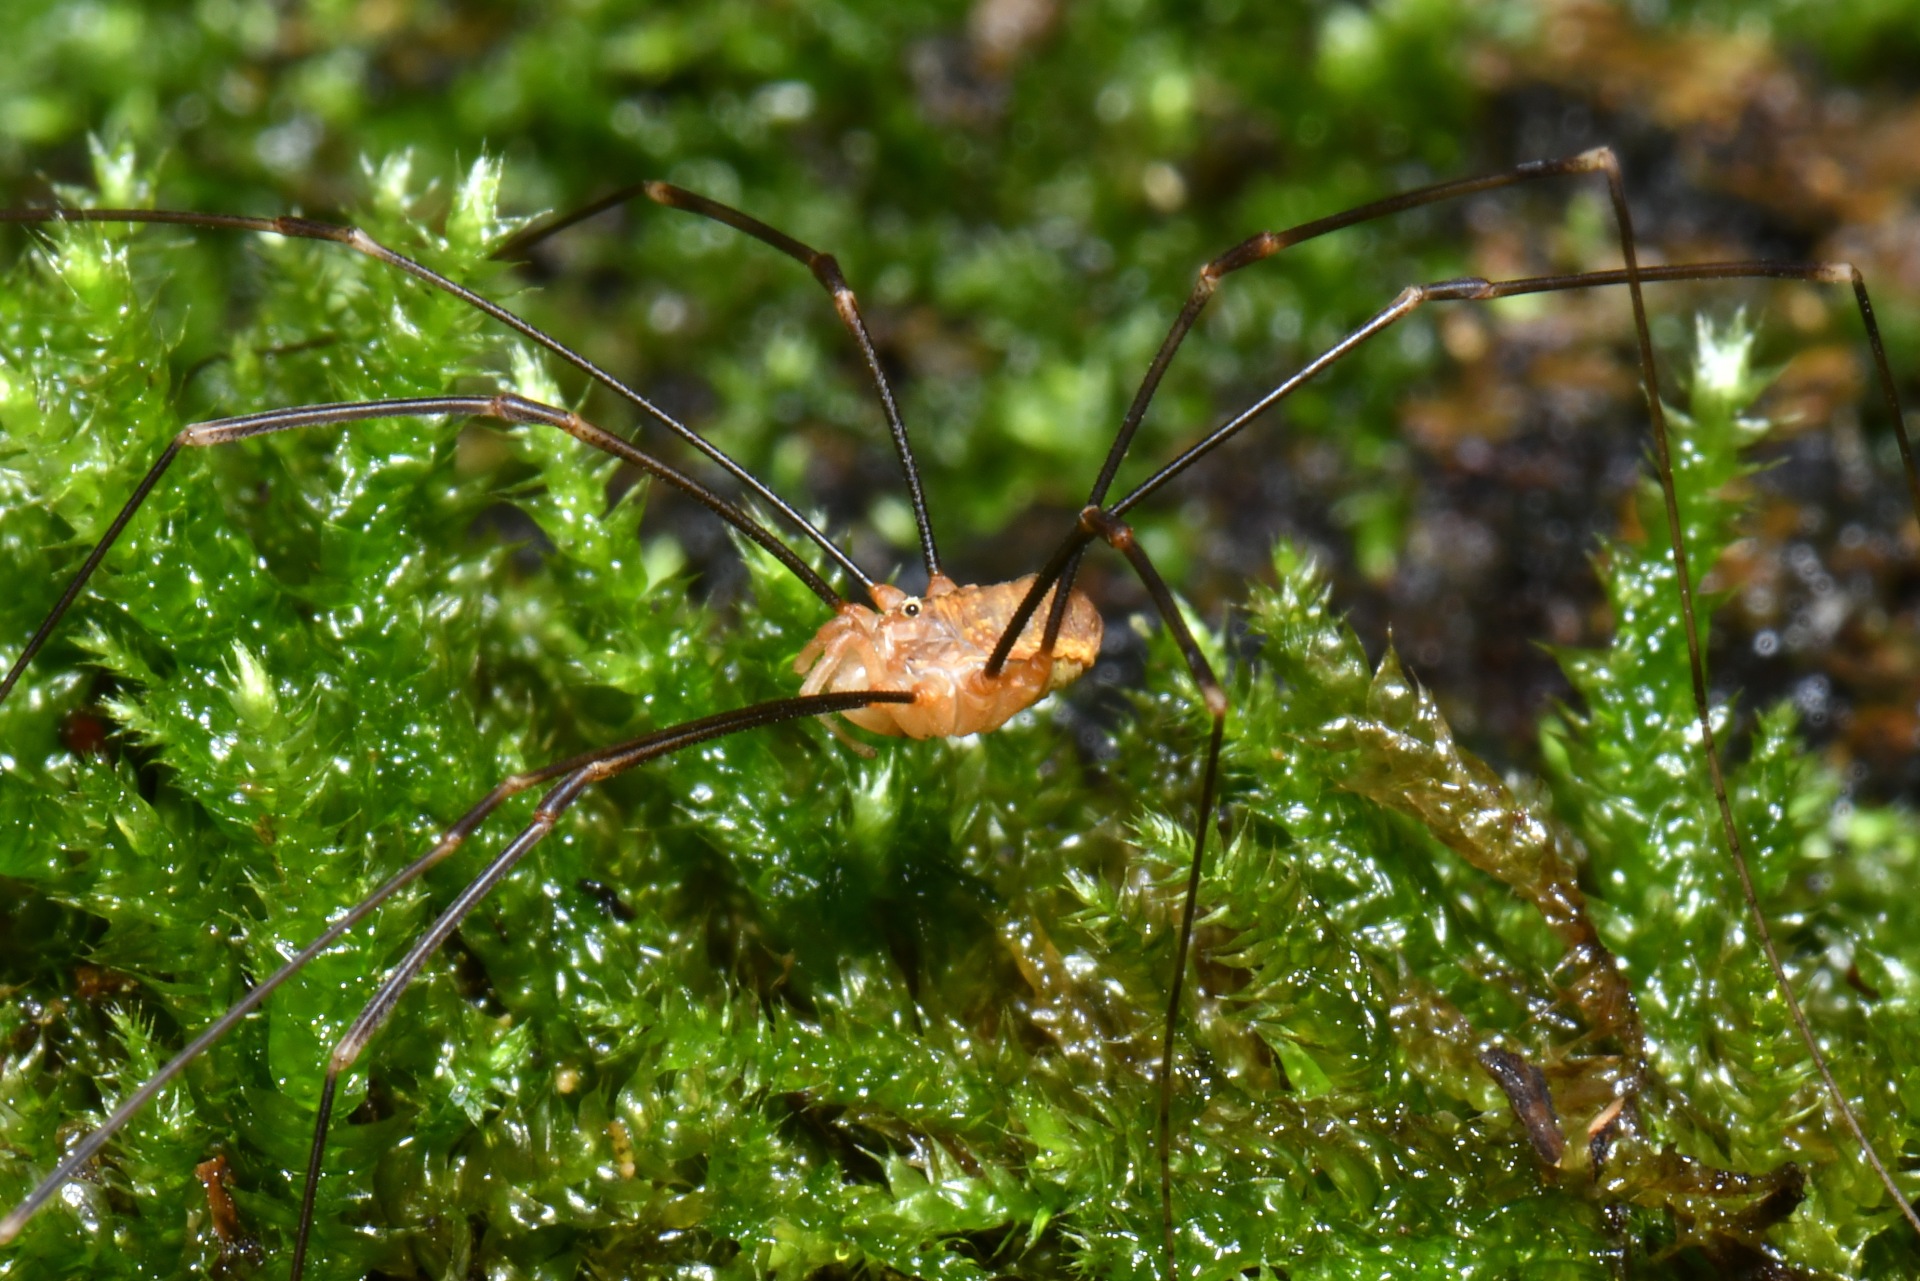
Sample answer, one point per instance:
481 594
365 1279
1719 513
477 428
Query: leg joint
1097 520
1216 700
512 407
1601 158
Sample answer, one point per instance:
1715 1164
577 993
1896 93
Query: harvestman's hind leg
574 778
359 241
506 407
82 1152
825 268
1091 524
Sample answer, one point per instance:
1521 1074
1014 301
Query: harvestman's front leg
1266 244
505 407
1600 160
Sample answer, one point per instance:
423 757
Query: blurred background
1021 191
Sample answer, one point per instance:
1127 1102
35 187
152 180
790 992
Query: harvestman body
938 646
956 660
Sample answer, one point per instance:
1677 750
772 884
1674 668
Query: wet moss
769 1007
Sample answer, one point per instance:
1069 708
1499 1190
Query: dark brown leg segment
505 407
1119 536
825 268
359 241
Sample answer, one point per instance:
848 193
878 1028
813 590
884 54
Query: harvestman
959 659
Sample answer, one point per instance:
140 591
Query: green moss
768 1007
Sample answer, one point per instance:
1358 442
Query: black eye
911 609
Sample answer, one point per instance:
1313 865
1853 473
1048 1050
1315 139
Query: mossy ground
770 1008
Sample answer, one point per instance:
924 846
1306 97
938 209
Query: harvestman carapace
955 660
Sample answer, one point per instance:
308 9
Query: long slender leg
590 767
1632 276
1266 244
1825 273
1067 554
1697 670
825 268
83 1152
505 407
1118 535
578 776
361 242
